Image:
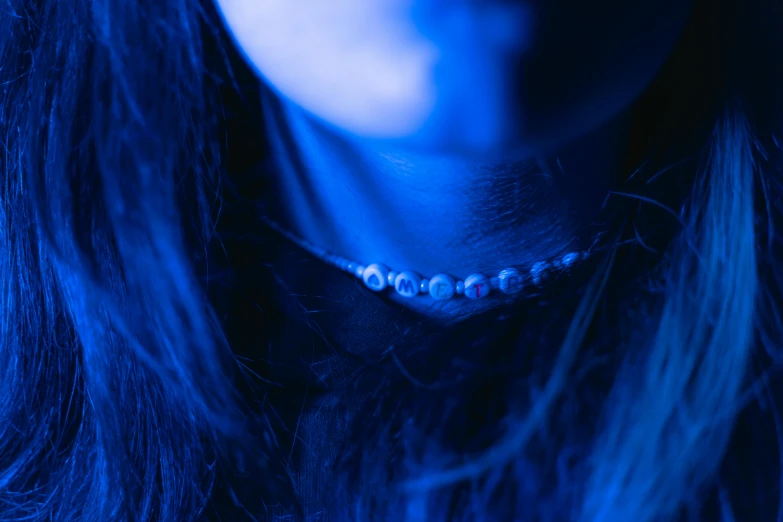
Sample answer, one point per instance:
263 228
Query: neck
437 214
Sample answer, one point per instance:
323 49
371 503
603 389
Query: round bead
359 271
442 287
476 286
570 260
539 272
392 277
407 284
510 281
424 287
375 277
460 287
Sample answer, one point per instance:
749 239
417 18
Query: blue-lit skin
437 213
419 131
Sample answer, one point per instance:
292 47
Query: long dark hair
117 379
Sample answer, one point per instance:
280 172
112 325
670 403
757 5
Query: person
380 261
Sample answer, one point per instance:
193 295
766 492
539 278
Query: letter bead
374 277
407 284
571 259
477 286
540 272
442 287
510 281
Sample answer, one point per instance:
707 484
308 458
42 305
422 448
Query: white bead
570 260
442 287
359 271
407 284
510 281
375 276
476 286
392 277
424 287
539 272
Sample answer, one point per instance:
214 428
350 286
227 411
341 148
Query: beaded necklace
378 277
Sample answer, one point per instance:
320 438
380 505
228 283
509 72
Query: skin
450 138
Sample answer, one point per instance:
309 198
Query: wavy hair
117 382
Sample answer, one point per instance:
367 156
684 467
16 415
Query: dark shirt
321 341
331 355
